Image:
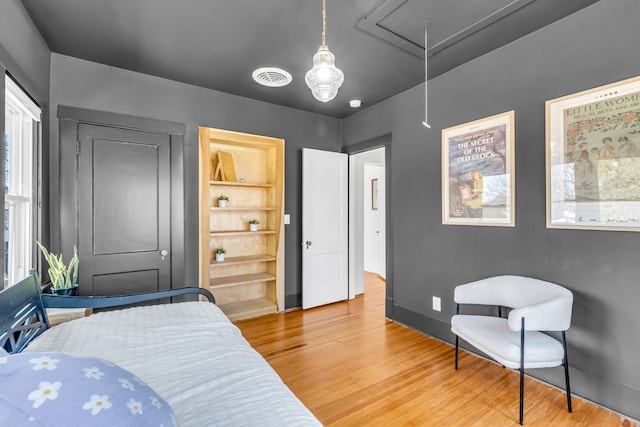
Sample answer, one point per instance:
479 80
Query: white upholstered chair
516 341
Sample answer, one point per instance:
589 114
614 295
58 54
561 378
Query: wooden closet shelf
242 184
246 259
240 233
248 308
243 208
241 279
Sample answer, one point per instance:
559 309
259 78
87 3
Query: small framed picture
374 194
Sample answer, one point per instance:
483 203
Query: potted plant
253 225
222 201
220 254
64 278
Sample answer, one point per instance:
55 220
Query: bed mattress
190 354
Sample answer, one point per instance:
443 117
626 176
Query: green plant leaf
61 275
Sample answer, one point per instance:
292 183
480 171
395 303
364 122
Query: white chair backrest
546 306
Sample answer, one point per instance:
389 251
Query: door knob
164 253
308 243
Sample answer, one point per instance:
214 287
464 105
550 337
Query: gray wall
84 84
596 46
25 55
23 52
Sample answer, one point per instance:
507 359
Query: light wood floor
352 367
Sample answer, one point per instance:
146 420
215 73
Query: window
21 117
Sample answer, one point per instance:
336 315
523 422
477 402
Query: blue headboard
22 314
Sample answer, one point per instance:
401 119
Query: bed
188 353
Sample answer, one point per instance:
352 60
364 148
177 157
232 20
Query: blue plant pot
66 291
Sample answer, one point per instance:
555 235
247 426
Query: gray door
123 210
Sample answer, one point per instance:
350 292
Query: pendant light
324 79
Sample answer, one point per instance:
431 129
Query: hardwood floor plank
353 367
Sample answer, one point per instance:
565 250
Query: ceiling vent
272 77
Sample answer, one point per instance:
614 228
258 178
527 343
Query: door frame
368 145
64 172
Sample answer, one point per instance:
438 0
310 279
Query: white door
324 227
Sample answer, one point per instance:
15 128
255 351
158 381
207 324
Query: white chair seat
492 336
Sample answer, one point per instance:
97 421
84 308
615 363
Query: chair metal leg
522 372
457 312
566 372
521 396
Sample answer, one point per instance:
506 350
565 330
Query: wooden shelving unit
250 281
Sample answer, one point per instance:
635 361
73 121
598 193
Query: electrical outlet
436 304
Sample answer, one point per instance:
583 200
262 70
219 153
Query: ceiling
378 44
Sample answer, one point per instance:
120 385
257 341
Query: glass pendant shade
324 79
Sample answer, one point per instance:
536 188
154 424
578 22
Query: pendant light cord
324 23
426 78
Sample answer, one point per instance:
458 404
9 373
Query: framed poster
478 176
593 158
